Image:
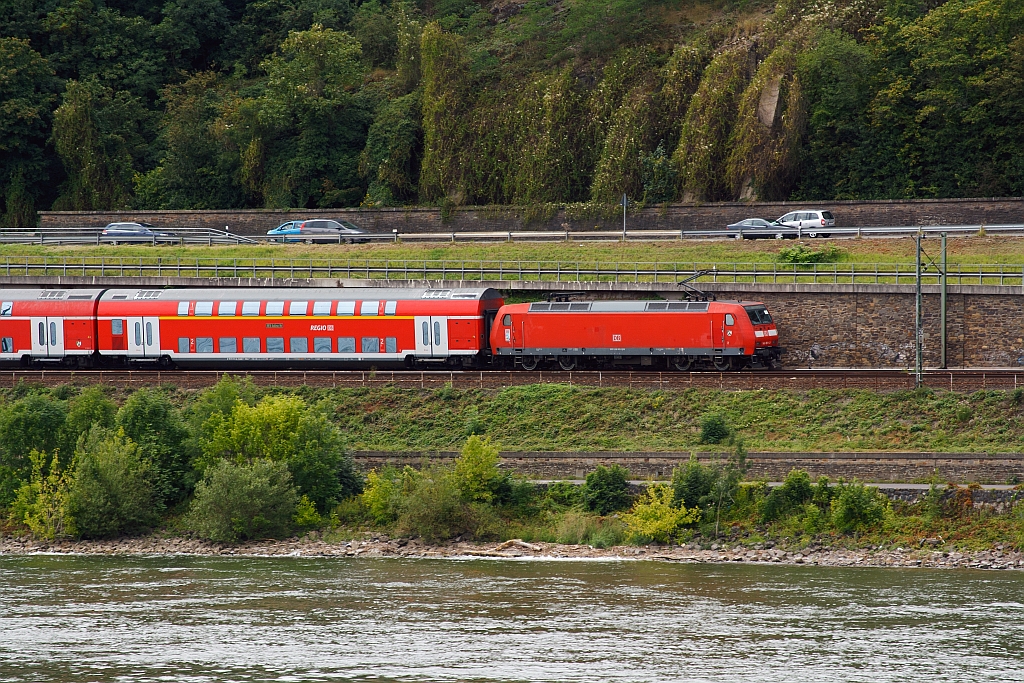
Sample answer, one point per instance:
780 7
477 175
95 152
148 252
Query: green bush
114 490
150 420
607 489
436 510
714 429
793 493
564 494
476 472
386 490
655 518
32 423
41 503
801 254
857 507
241 502
692 483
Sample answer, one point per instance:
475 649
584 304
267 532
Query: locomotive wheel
721 363
530 362
567 362
682 363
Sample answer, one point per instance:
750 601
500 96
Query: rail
185 235
504 271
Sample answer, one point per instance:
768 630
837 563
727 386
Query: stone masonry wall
875 467
714 216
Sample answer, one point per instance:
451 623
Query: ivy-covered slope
326 103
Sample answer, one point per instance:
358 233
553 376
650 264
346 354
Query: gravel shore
381 546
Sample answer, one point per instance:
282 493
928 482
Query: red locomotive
680 334
365 327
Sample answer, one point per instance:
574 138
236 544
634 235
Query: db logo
616 337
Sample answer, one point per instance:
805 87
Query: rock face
376 545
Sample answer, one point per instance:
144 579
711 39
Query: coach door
144 337
432 336
48 337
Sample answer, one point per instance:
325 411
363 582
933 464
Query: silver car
809 223
753 228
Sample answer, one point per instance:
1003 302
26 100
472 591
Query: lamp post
917 317
625 203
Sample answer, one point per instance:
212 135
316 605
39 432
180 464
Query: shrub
564 494
794 492
385 490
857 506
90 408
607 489
41 502
476 472
306 516
654 518
31 423
435 509
240 502
114 490
150 420
692 483
714 429
801 254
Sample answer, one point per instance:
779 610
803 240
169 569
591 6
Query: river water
83 618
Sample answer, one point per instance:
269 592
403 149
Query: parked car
752 228
809 223
131 232
318 230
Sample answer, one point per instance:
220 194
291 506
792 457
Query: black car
752 228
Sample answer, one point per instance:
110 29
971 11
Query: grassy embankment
961 250
236 462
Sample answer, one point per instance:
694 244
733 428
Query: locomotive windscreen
758 315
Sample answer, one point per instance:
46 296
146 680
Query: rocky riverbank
930 555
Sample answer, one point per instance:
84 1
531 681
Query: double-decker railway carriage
260 327
725 335
52 325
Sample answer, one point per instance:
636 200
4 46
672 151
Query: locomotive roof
300 293
55 294
623 306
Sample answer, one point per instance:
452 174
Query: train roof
300 293
55 294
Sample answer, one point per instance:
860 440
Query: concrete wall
873 467
713 216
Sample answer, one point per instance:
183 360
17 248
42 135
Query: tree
446 99
33 423
241 502
476 470
90 408
150 420
607 489
114 489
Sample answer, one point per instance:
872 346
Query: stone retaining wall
875 467
713 216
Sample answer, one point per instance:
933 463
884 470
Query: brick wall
713 216
874 467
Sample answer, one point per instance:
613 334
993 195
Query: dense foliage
326 103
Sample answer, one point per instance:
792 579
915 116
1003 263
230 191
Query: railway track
880 380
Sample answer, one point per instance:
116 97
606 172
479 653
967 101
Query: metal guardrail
504 271
211 236
95 236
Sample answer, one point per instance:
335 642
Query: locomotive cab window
729 320
506 319
759 315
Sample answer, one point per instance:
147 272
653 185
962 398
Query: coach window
204 344
437 334
251 344
390 307
204 308
321 308
371 344
391 345
346 344
369 308
426 334
53 334
138 334
116 327
729 320
149 334
506 320
227 307
298 345
182 308
182 344
275 344
250 308
297 307
5 308
228 344
7 345
42 334
275 308
321 344
346 308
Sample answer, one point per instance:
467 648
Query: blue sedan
318 230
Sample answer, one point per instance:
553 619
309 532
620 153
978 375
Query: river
177 618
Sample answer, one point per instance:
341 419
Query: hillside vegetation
327 103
